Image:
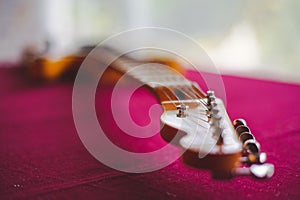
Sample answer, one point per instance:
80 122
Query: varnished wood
165 79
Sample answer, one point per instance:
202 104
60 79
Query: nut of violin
246 136
241 129
251 146
238 122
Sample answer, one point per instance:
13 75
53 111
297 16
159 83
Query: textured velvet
41 155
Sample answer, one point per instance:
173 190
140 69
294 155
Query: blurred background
243 37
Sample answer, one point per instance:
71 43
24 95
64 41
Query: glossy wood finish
172 89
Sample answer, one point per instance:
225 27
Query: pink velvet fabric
41 155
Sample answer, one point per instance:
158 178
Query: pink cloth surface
41 155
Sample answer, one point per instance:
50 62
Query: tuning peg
251 146
246 136
210 98
241 129
257 170
238 122
254 158
210 94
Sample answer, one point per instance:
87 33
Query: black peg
251 146
239 122
241 129
246 136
